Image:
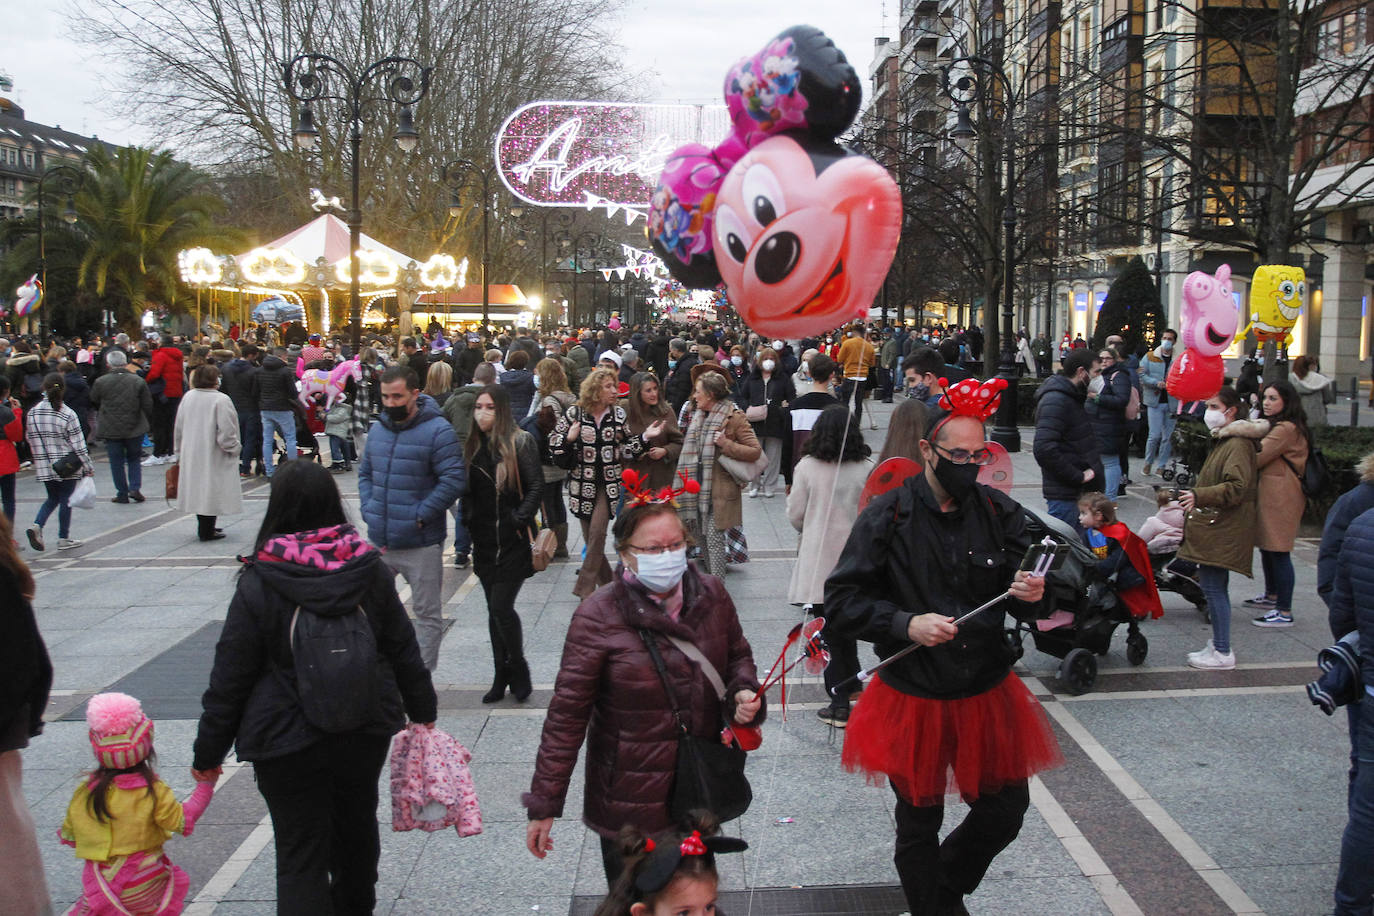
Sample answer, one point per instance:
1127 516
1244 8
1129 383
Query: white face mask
737 360
806 369
1215 419
768 365
662 572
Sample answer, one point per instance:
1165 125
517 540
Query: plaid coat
595 456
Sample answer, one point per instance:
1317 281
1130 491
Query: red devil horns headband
970 398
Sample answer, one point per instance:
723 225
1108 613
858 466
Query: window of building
1157 101
1085 42
28 158
1343 34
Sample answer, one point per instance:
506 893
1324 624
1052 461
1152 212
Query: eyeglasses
656 551
981 457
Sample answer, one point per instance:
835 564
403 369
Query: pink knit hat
121 735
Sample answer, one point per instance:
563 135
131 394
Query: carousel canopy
326 237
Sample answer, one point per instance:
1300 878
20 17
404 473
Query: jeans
1213 580
250 438
1066 510
552 506
423 569
1278 578
7 495
1354 892
126 464
340 450
1160 445
936 874
851 395
273 423
462 540
323 802
59 491
1111 473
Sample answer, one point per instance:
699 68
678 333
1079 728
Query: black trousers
503 623
851 394
933 873
323 802
164 423
844 659
611 861
205 526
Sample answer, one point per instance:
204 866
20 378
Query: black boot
498 684
520 686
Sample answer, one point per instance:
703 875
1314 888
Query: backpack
33 382
1133 406
337 675
1316 475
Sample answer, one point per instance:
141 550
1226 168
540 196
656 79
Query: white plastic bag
83 497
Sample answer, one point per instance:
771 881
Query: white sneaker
767 494
1210 658
753 493
68 543
169 459
151 460
1205 650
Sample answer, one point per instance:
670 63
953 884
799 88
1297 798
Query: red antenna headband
969 398
641 494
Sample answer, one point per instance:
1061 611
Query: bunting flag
605 273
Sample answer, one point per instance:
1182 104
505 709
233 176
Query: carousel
304 276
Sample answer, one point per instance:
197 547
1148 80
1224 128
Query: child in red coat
11 431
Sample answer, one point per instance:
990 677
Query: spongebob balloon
1276 295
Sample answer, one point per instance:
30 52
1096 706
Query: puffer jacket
519 383
1221 529
408 478
500 523
1352 597
1065 444
240 381
1351 505
1107 412
609 693
168 365
252 701
276 385
1154 372
124 403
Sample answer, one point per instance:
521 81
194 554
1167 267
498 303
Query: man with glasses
949 718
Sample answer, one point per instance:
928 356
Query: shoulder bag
544 543
173 480
709 774
1316 474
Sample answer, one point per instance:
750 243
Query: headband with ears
662 863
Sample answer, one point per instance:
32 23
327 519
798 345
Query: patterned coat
596 457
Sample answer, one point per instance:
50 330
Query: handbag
543 544
757 413
68 466
744 472
173 480
709 775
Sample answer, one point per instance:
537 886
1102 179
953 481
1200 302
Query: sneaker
1263 601
835 716
461 561
68 543
1274 620
767 494
35 534
1211 659
1147 471
753 493
136 496
151 460
1208 649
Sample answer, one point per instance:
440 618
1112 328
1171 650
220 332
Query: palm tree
139 208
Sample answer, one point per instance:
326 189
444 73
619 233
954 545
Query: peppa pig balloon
1209 323
800 230
30 296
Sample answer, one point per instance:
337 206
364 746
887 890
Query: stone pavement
1183 791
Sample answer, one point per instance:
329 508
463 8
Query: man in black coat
240 382
679 382
656 354
1065 444
276 384
466 361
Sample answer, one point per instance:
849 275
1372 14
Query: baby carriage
1085 610
1190 443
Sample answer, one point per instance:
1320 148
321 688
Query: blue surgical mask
1167 346
661 572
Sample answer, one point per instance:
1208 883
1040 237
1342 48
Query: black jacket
25 671
1108 412
1065 444
1351 505
125 405
78 394
466 363
906 557
519 384
276 385
754 392
252 701
500 525
679 384
1352 594
240 381
656 355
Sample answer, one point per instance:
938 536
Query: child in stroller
1088 602
1162 534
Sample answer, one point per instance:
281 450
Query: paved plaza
1183 791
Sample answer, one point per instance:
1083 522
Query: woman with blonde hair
439 382
553 399
591 438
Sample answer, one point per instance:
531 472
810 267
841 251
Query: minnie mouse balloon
801 231
30 296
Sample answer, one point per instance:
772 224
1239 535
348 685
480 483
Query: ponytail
55 388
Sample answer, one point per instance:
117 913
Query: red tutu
934 748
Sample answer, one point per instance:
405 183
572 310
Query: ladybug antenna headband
968 398
664 858
641 494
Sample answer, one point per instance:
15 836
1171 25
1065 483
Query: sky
687 48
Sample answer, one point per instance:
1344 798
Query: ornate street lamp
456 174
970 87
312 78
67 180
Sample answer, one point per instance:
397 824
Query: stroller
1078 589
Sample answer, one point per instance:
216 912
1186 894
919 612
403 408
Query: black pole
355 241
486 249
544 270
1005 431
42 268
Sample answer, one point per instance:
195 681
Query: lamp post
400 81
970 87
455 175
68 180
593 242
564 220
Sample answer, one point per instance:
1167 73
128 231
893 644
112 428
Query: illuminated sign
585 154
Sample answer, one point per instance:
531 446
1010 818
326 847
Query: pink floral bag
431 786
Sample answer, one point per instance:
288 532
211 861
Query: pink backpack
431 786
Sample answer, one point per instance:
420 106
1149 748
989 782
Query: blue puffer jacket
1352 596
1352 504
409 477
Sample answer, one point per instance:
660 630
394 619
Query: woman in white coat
207 439
822 505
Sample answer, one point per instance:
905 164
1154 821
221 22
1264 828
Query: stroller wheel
1183 479
1167 473
1078 671
1137 648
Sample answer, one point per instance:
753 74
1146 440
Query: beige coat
824 522
727 510
1220 531
1281 500
207 446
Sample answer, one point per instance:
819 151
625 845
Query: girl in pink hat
122 814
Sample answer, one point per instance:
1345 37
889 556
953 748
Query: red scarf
1141 600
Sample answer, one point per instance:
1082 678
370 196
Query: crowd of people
655 437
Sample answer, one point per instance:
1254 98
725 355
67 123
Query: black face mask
398 413
957 479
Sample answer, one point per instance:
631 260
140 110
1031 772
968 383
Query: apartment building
27 150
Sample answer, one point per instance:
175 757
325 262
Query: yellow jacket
855 357
138 823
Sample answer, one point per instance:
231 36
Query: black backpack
33 382
337 675
1316 474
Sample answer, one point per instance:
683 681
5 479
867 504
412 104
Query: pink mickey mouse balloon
801 231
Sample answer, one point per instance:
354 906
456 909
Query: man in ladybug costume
949 719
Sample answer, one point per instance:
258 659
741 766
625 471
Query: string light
273 266
199 266
375 269
442 272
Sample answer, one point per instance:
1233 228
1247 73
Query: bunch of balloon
1208 325
800 230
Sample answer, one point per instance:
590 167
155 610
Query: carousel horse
331 384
